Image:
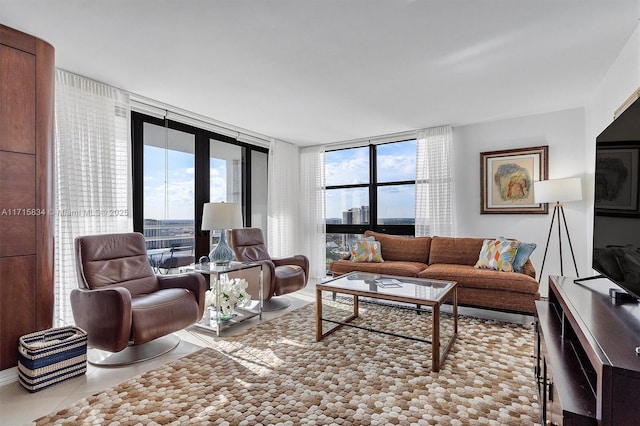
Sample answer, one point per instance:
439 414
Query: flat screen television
616 219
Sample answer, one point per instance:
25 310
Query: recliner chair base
276 304
133 354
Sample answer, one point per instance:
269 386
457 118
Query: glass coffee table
422 295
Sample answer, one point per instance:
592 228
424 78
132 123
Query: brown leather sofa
281 276
122 304
452 259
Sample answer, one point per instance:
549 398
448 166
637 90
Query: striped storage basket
51 356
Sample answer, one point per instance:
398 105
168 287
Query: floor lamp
558 191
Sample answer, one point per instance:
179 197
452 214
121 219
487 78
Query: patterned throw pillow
366 251
497 255
372 239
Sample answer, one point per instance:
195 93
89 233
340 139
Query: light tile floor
19 407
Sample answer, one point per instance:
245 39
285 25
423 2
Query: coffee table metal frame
438 354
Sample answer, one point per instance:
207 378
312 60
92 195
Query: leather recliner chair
280 275
128 312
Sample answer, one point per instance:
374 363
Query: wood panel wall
27 82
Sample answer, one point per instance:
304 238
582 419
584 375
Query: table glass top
221 269
414 288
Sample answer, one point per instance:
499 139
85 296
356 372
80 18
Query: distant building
364 214
168 233
356 215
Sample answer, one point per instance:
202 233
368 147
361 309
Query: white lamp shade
221 216
557 190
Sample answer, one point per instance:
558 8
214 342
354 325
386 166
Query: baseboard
8 376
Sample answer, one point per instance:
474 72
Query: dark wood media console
587 369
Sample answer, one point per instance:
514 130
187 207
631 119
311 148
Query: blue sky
180 183
396 162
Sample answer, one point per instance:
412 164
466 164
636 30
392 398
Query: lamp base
222 253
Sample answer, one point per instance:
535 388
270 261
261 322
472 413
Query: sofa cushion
366 251
406 269
497 255
522 255
410 249
451 250
468 276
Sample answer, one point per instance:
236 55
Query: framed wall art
506 180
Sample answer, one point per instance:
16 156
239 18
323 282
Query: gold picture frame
506 180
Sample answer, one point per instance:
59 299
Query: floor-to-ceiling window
369 187
225 172
225 175
168 196
258 195
179 167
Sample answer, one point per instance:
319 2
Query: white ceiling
312 72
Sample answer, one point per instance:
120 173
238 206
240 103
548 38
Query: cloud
347 167
396 168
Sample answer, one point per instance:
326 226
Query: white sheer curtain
312 210
435 197
283 199
93 169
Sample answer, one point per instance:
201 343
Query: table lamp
221 216
558 191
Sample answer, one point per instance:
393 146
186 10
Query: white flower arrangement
233 294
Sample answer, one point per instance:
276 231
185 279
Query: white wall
571 138
564 133
622 79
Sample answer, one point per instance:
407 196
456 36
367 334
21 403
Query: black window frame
373 185
202 178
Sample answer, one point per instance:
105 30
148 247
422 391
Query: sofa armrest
300 260
528 269
268 278
192 281
107 313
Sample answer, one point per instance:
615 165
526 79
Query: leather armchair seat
121 303
281 275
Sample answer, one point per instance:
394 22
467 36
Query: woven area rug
276 373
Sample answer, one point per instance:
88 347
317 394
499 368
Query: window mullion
373 189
